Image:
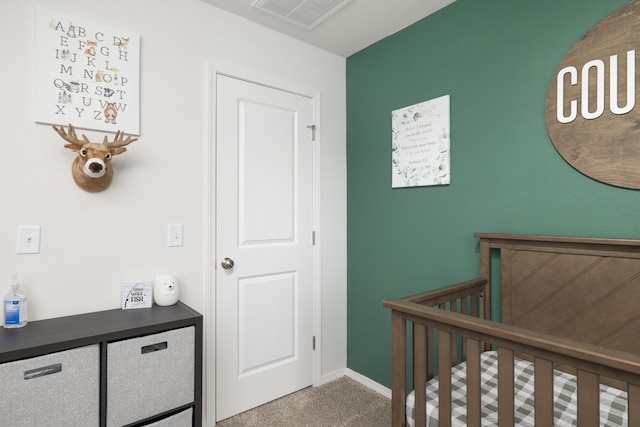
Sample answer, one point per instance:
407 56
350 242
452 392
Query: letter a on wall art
420 144
87 74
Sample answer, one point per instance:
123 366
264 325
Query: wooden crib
569 306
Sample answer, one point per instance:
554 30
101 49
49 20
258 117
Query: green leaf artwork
420 144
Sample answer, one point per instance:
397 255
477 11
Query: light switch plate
174 235
28 239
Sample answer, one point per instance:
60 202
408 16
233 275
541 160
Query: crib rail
476 290
470 298
460 316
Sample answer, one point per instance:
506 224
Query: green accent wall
495 58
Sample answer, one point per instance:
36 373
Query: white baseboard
365 381
332 376
368 382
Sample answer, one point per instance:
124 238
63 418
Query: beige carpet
340 403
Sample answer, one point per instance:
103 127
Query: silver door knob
227 263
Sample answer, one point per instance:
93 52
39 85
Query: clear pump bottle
15 306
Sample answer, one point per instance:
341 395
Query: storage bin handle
41 372
154 347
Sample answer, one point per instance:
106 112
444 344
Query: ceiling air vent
305 13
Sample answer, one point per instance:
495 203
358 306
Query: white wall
93 242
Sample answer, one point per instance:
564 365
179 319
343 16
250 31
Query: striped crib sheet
613 402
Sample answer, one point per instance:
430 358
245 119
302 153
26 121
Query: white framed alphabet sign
87 74
420 144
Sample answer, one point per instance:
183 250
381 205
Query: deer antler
71 136
118 140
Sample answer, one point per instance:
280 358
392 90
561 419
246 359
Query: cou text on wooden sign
591 108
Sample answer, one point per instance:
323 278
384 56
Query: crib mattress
613 402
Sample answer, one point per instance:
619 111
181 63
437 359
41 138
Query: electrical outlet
28 241
174 235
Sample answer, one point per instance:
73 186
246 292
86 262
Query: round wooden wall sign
591 110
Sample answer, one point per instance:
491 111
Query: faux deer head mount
92 170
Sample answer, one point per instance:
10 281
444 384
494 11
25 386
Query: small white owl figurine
166 290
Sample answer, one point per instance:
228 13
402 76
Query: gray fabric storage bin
57 389
181 419
149 375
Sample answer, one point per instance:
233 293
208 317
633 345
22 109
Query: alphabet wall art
86 73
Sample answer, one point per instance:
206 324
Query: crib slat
430 354
420 373
464 309
463 349
505 388
543 393
473 382
634 404
453 307
465 306
588 399
398 369
444 368
475 305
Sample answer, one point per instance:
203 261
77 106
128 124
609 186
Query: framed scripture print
420 144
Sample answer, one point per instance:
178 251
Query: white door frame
210 257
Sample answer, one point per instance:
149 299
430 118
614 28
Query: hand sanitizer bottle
15 306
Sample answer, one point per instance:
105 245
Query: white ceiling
356 26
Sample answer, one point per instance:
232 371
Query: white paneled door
264 274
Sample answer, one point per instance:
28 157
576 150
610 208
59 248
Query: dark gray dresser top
50 335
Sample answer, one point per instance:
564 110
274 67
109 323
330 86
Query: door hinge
314 343
313 238
313 132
